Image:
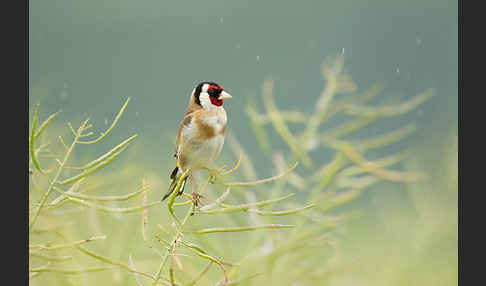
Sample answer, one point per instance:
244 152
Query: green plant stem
52 247
244 207
45 124
32 140
159 272
262 181
69 271
109 153
200 275
111 126
117 210
58 174
279 124
93 169
241 228
109 261
102 198
280 213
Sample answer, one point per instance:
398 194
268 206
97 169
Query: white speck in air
398 70
418 41
258 58
64 93
342 51
221 20
106 121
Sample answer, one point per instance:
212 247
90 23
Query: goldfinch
201 134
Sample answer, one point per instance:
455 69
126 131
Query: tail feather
173 184
174 173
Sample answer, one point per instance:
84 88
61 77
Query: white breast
217 121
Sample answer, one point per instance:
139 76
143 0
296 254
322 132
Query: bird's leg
195 195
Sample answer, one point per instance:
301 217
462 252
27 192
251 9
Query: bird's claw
195 198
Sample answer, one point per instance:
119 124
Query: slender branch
111 126
69 271
32 140
174 194
241 228
262 181
244 207
280 125
44 124
280 213
58 174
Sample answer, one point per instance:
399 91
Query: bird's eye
213 92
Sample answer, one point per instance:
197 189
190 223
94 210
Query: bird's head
209 95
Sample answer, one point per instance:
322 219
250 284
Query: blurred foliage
91 225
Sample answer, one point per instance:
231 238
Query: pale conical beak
224 95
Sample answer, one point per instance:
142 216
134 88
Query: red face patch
216 101
214 90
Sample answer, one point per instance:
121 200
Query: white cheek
205 101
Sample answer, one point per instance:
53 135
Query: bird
201 134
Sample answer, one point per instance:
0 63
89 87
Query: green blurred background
86 57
